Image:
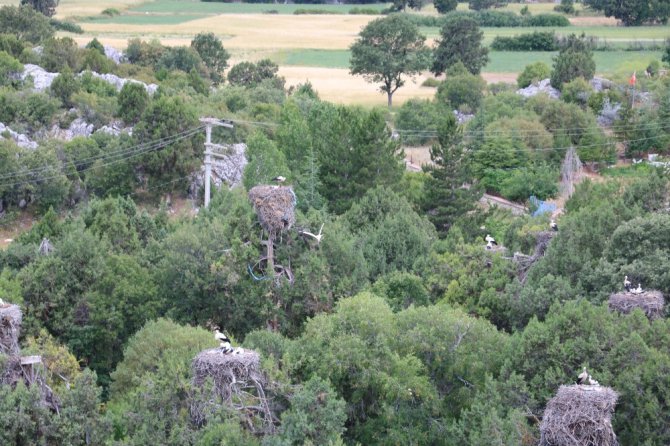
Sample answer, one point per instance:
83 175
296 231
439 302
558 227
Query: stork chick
583 377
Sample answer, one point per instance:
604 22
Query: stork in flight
316 236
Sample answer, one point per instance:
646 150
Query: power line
159 144
124 151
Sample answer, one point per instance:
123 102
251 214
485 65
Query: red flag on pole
633 79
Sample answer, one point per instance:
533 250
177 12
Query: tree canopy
460 41
388 49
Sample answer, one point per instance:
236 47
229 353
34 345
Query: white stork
489 245
626 283
490 239
553 225
316 236
279 179
593 382
582 377
224 341
638 290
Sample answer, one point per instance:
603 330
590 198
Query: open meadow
314 47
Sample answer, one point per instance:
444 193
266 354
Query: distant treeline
494 19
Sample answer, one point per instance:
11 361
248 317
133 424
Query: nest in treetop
651 302
10 326
275 207
237 382
579 415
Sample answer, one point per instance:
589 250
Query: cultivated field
315 47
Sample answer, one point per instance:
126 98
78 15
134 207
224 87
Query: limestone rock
20 139
543 86
113 54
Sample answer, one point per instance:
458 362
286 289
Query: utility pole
209 123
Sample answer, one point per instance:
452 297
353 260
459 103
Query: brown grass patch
593 21
338 86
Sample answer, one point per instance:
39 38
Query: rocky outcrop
20 139
115 128
543 86
119 82
78 127
113 54
42 79
226 170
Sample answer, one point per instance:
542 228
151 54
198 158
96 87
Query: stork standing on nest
279 179
626 283
553 225
224 342
637 290
583 377
490 239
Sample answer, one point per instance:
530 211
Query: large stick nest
237 382
275 207
651 302
10 326
579 415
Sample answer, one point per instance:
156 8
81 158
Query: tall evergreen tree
446 198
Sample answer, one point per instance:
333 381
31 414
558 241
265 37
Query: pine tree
446 196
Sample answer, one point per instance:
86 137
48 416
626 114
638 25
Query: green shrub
10 70
133 100
25 23
306 11
97 110
95 85
11 44
463 89
63 25
566 7
431 82
59 53
577 91
64 86
111 12
533 73
541 181
417 119
445 6
546 20
535 41
364 11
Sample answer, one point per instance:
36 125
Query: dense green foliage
46 7
534 72
574 60
633 12
395 324
460 41
535 41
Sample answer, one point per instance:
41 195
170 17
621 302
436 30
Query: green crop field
606 33
195 7
501 61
